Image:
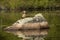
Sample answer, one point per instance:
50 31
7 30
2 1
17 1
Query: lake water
53 18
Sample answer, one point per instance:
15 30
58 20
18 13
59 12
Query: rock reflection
35 34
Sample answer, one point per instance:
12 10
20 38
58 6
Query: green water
8 18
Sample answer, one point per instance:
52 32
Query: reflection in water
32 34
